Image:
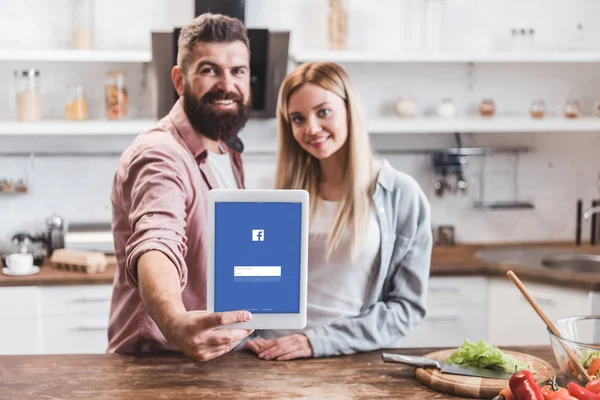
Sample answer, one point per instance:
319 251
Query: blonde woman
370 235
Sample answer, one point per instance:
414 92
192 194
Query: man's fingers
208 353
218 337
211 321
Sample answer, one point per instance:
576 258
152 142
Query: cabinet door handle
445 317
90 300
90 328
448 289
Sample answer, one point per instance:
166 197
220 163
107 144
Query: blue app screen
257 257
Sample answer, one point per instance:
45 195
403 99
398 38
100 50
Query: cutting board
472 387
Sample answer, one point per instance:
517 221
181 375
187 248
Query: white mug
19 262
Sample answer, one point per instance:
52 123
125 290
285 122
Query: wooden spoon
572 356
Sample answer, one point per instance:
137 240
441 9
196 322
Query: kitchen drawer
512 321
72 335
456 291
448 328
19 336
75 300
18 302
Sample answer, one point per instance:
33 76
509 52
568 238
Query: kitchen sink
576 262
558 259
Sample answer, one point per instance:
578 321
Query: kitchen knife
453 369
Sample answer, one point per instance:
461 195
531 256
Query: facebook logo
258 235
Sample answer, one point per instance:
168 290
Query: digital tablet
258 256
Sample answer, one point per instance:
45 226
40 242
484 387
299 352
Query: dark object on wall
593 227
268 62
232 8
578 222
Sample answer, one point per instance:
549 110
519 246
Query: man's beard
215 124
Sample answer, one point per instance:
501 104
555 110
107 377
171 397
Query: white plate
32 271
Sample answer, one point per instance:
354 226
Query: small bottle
487 108
27 85
116 97
530 39
76 108
514 39
572 109
578 40
537 109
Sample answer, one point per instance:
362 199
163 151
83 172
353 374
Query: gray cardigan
398 288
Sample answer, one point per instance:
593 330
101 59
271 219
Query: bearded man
159 200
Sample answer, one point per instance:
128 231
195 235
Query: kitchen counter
458 260
49 275
235 375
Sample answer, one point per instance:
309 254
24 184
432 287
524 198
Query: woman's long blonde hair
297 169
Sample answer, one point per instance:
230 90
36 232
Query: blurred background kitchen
493 106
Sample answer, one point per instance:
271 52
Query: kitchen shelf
396 125
376 126
82 128
69 55
345 56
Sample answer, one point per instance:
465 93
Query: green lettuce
588 356
483 355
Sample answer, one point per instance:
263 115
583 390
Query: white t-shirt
337 288
220 165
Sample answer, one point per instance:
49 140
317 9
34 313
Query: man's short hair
215 28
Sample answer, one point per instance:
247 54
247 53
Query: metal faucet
592 210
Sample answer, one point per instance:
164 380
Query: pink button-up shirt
159 202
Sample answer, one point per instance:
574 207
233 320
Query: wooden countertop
458 260
461 260
235 375
49 275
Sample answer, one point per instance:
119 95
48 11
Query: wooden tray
473 387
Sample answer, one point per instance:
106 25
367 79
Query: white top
220 165
337 288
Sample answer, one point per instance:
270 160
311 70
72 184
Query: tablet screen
257 257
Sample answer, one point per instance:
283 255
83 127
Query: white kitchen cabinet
75 300
512 320
54 319
74 319
19 332
73 335
457 310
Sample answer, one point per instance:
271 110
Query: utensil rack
455 161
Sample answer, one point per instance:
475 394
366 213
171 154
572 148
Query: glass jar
338 24
82 28
537 109
27 87
76 108
597 108
572 109
116 97
487 108
446 108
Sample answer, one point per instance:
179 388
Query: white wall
561 167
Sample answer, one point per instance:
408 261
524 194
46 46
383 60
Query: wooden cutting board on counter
473 387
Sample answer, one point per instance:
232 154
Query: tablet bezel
260 321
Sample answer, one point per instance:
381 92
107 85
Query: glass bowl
582 335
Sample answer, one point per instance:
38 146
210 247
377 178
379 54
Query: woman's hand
258 345
285 348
